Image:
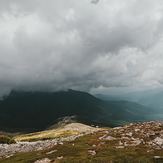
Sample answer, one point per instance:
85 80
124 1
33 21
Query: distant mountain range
31 111
148 98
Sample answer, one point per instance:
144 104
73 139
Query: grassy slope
51 134
64 131
79 152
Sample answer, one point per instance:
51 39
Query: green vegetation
68 130
6 139
45 135
77 152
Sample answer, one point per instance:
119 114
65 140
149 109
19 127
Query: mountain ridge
39 110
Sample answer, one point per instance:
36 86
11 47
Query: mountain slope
38 110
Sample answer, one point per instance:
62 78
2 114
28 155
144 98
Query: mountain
150 98
24 111
154 99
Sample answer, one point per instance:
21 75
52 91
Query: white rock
117 128
120 143
129 134
136 130
60 157
60 143
9 156
120 147
136 142
45 160
157 157
109 138
158 141
92 152
48 153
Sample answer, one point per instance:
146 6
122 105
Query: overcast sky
81 44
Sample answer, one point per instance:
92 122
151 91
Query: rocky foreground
148 134
138 142
54 137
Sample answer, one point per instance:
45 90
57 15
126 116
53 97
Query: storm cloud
86 45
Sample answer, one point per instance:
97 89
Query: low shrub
6 140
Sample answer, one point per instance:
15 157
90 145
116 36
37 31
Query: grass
77 152
49 134
64 131
4 139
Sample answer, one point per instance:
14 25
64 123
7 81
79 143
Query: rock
120 147
136 130
129 134
125 138
117 128
60 143
60 157
106 132
135 142
105 137
92 152
101 143
93 145
8 156
102 137
45 160
110 138
48 153
157 157
158 141
120 143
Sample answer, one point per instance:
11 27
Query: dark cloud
95 1
73 44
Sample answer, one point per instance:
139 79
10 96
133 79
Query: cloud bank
85 45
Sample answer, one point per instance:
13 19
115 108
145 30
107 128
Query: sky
89 45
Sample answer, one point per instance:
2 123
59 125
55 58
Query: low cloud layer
85 45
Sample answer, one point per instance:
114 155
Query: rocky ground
148 134
138 142
54 137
